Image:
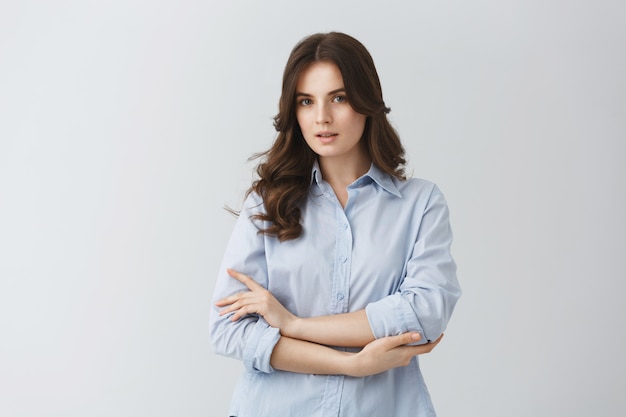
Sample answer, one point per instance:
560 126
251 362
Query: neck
340 172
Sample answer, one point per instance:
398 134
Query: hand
387 353
258 300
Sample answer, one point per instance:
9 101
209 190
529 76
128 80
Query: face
330 126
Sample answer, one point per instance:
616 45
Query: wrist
350 365
290 329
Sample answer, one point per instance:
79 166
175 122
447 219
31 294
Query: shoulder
422 195
420 188
251 207
252 203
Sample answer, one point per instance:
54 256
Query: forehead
319 77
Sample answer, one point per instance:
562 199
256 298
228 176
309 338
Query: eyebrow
330 93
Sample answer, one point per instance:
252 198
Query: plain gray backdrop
125 127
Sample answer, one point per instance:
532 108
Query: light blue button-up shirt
387 251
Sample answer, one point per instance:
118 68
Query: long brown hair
284 175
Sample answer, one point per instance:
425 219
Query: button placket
342 263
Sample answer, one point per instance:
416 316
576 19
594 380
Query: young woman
338 272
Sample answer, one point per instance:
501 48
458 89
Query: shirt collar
384 180
316 173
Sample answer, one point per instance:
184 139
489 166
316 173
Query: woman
338 272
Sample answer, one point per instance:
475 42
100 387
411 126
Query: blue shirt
387 252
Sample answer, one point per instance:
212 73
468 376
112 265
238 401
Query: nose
323 115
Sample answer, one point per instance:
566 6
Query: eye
340 99
305 102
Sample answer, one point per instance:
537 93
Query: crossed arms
303 344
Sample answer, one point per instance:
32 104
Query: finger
225 301
244 279
426 348
238 314
236 301
230 308
402 339
243 311
231 299
239 310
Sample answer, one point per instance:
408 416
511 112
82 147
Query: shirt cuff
392 316
259 348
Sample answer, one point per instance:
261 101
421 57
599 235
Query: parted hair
284 172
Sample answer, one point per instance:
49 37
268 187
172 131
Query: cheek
301 121
358 122
304 130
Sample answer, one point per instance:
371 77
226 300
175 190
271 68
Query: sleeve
249 339
428 293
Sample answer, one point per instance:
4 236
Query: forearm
300 356
348 329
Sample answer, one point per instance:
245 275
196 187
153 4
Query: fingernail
415 336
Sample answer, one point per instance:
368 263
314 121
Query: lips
326 137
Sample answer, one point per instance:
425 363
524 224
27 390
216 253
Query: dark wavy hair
284 175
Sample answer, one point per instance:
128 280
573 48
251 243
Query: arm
423 303
430 289
294 355
249 337
348 330
378 356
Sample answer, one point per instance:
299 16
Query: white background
125 127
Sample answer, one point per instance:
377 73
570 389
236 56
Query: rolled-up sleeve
250 339
430 289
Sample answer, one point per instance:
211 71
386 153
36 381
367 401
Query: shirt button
343 259
340 296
